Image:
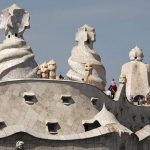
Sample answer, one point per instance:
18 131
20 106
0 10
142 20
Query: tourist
113 88
61 77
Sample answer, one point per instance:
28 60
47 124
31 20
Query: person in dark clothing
61 77
113 88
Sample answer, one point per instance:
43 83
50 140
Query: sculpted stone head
88 67
88 73
19 145
136 54
43 67
122 79
85 34
14 20
51 65
52 69
44 70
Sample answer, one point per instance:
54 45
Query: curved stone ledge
110 128
143 133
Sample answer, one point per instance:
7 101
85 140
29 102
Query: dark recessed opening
52 127
91 126
137 99
88 41
8 36
30 98
94 100
16 34
67 99
141 127
2 124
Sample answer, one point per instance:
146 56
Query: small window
2 124
52 126
16 34
91 126
30 98
67 99
94 100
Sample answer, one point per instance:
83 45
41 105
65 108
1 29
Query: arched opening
138 99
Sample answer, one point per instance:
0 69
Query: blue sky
120 25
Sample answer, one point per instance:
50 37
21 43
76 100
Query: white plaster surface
84 53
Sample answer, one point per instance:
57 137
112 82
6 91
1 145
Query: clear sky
120 25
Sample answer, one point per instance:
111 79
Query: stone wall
14 109
106 142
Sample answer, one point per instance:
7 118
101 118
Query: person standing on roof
113 88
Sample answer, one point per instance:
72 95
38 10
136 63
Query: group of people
141 100
144 101
48 71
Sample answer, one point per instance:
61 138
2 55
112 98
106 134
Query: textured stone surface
84 53
30 108
143 133
16 57
137 74
106 118
43 71
49 105
105 142
88 73
52 69
14 20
